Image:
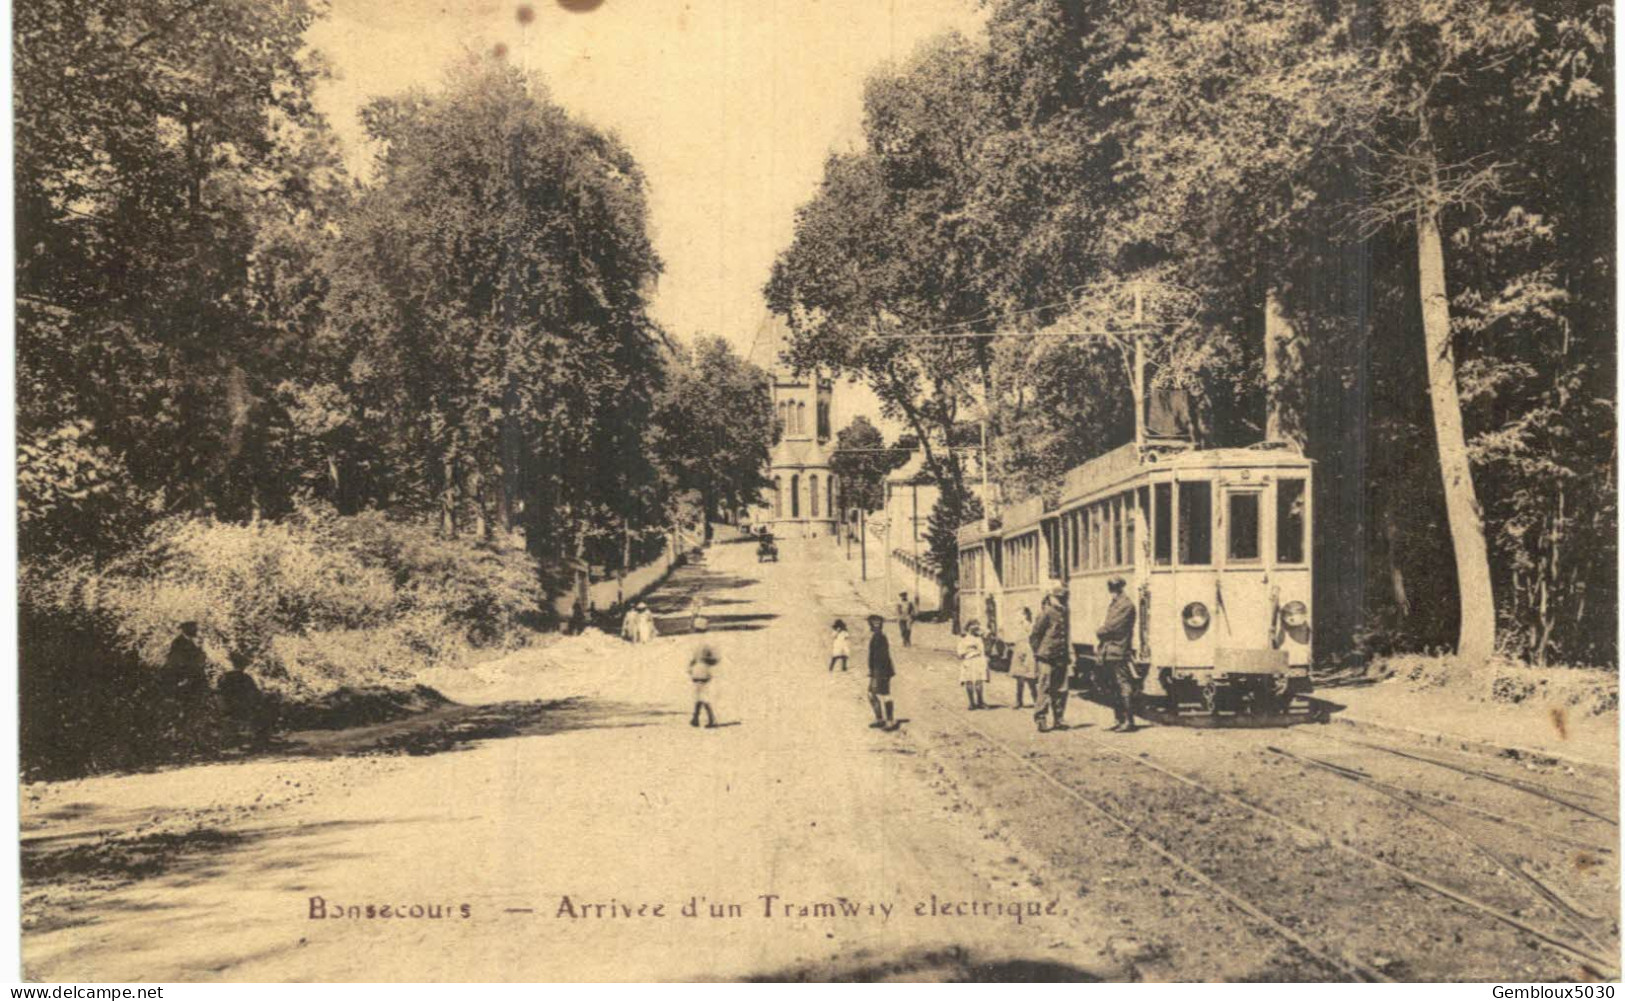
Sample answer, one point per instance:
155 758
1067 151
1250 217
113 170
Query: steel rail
1598 964
1479 773
1577 920
1339 960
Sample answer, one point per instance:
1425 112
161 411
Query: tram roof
1122 463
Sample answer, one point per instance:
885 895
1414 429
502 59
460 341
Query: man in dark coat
1052 650
183 694
186 667
249 711
880 675
1114 635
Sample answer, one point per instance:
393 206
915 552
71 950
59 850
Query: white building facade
805 497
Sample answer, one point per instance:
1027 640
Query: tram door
1242 613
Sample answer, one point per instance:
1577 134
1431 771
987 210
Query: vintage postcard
816 490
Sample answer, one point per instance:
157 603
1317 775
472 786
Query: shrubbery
316 603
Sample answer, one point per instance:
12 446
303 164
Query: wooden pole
1139 367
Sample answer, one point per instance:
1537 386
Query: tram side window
1195 523
1289 511
1243 527
1136 502
1117 531
1162 516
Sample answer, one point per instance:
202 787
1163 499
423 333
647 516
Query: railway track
1335 959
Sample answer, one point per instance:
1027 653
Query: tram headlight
1195 616
1295 614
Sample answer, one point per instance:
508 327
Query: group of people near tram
1039 658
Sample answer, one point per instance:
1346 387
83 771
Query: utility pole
987 499
1139 367
863 544
914 538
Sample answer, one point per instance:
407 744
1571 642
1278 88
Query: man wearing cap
1052 650
1113 636
881 671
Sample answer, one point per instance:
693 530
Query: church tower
804 498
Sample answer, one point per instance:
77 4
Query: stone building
804 499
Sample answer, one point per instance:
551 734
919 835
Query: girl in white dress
840 646
973 665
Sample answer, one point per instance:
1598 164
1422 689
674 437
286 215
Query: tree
715 417
488 301
885 252
168 160
862 461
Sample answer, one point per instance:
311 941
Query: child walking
840 646
701 666
973 665
880 675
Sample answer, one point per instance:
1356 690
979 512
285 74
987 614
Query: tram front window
1162 536
1243 527
1289 502
1195 523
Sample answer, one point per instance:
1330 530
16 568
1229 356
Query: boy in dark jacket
880 675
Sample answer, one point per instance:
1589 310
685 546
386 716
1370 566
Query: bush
317 603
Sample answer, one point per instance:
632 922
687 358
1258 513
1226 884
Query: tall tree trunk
335 483
508 501
1283 370
476 490
1396 573
448 492
1476 640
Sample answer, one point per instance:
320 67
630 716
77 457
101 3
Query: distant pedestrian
1052 649
880 675
186 667
1113 647
246 707
973 665
905 617
631 624
840 646
702 666
647 630
1023 667
697 621
182 695
578 618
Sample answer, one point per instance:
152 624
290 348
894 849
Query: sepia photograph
679 491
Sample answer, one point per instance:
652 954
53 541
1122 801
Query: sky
731 106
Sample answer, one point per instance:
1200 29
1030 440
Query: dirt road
620 805
565 822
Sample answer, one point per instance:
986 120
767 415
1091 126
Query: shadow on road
113 851
458 726
952 965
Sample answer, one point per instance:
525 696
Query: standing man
186 668
905 617
880 675
183 695
1114 635
1052 650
